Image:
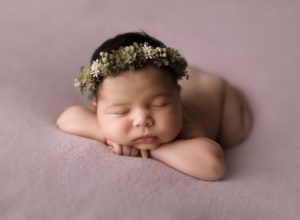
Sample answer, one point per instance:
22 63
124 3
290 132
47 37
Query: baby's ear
94 106
94 103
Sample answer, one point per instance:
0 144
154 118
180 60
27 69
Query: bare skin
215 117
215 109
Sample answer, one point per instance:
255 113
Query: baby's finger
134 152
117 149
108 143
144 153
126 150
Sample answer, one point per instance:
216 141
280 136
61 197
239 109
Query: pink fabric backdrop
46 174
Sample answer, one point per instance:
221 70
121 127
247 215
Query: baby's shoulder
201 82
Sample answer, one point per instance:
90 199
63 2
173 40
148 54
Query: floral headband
131 57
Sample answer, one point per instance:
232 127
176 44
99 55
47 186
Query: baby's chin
147 146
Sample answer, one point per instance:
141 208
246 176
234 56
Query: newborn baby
148 112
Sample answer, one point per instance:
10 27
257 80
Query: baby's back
201 97
213 108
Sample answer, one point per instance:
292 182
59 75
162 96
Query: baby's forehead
136 83
130 93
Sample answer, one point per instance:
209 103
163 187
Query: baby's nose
143 119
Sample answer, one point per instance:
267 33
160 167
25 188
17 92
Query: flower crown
131 57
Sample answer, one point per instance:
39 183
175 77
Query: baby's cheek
116 130
172 123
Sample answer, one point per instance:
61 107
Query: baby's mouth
145 140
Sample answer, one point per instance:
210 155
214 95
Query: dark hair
125 39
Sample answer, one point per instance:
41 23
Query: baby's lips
145 140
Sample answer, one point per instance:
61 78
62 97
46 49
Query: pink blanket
47 174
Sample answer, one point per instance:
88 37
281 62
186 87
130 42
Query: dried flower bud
128 58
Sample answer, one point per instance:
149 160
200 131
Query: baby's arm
81 121
198 157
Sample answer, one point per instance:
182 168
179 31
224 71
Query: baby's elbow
67 120
217 170
215 164
59 123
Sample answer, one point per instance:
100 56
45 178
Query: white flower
77 83
148 51
95 68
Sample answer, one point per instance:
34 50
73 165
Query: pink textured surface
46 174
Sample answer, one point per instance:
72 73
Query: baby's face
140 108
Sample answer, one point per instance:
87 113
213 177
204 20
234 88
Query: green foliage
131 57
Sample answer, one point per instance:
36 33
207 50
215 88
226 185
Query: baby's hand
125 150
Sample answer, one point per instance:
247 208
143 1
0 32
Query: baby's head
137 101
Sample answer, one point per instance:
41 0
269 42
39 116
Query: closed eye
159 105
119 113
